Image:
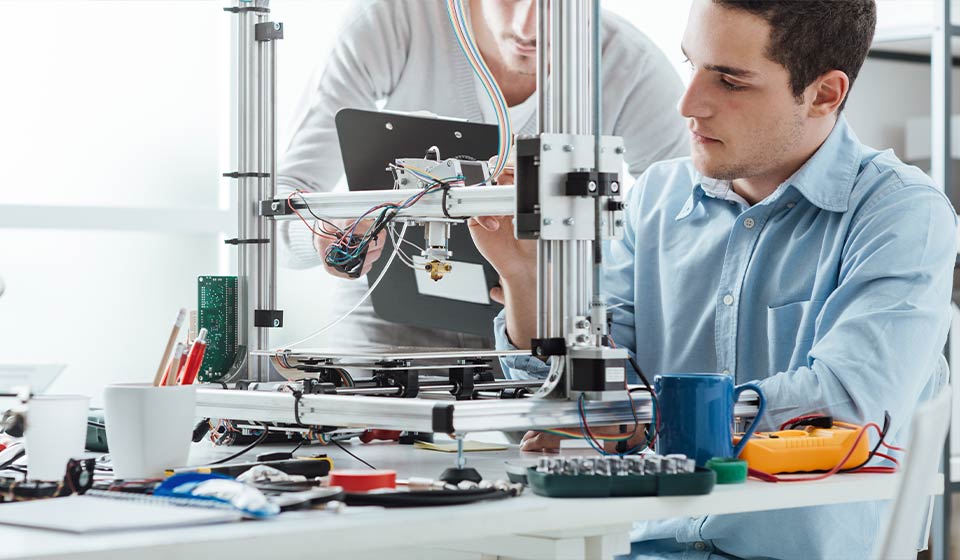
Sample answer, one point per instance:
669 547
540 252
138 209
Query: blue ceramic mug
696 414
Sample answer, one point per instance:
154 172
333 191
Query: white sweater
403 52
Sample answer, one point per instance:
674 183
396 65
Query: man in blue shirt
783 251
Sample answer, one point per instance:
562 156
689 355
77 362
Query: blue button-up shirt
832 293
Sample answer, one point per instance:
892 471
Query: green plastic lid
728 469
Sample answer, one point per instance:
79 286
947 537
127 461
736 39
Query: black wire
653 395
318 218
258 441
294 450
883 435
13 459
347 451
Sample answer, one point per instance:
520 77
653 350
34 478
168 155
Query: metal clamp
268 31
548 347
268 318
247 241
244 175
240 10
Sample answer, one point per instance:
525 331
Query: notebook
87 514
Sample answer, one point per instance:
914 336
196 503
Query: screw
539 351
582 338
458 134
404 181
615 186
389 126
619 150
583 324
276 26
567 148
276 322
547 221
275 206
618 223
592 186
568 222
546 147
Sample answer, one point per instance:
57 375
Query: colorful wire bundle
348 246
468 44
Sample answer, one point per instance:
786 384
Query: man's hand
374 249
550 443
513 258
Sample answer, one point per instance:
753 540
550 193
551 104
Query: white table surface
543 527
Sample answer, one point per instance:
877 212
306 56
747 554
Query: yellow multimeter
805 449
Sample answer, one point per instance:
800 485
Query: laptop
369 142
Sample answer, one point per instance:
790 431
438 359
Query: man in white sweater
403 53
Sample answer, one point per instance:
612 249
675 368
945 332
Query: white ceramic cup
149 428
56 431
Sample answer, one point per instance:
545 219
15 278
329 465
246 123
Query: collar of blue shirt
826 179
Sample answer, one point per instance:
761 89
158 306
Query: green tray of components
217 312
696 483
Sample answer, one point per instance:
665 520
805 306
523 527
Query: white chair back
911 508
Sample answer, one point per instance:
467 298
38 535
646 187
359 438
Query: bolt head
276 26
275 206
568 221
619 150
567 148
547 221
618 223
615 186
582 338
592 186
546 147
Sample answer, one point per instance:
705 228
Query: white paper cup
56 431
149 428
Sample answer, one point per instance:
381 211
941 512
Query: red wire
656 429
586 427
798 419
305 222
887 457
893 447
774 478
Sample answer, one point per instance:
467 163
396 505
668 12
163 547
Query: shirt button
791 204
728 299
699 546
749 223
725 372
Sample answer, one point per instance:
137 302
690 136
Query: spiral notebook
89 514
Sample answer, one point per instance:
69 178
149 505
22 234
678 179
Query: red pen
194 359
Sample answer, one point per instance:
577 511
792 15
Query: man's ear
828 92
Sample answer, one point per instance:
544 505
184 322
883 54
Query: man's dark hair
812 37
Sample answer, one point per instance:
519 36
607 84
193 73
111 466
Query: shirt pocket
790 333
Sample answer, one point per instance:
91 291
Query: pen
194 359
170 377
172 366
158 377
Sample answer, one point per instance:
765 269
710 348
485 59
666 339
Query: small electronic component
217 312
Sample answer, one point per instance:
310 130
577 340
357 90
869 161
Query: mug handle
753 425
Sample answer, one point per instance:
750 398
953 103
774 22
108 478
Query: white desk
525 527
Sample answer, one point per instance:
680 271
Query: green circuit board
217 312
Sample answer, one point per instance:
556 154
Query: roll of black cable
423 498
